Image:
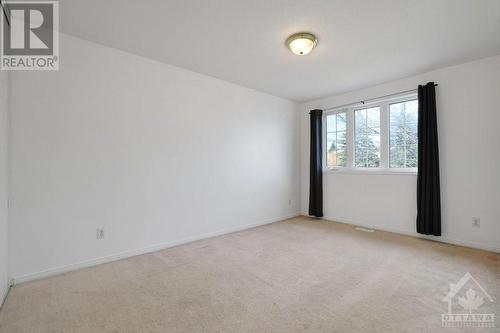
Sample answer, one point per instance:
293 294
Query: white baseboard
3 294
135 252
442 239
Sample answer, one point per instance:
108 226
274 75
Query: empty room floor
297 275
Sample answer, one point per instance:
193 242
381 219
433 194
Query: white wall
154 154
468 104
4 276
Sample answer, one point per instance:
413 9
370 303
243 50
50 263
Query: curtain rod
372 99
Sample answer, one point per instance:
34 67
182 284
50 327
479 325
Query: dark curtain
428 189
316 165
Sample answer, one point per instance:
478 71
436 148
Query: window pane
373 117
341 121
330 141
341 140
332 158
396 157
360 118
367 138
330 123
336 140
341 148
393 136
341 157
411 108
331 148
360 159
403 134
411 156
411 134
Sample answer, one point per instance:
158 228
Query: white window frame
384 138
325 144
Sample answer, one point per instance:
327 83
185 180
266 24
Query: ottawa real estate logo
30 35
465 299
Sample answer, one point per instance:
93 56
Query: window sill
391 172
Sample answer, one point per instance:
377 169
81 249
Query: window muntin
336 139
403 134
367 138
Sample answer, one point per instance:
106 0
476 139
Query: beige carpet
299 275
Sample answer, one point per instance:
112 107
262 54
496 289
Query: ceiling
361 43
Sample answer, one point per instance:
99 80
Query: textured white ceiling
361 43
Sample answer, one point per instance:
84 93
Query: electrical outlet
476 222
99 234
289 202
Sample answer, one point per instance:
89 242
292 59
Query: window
336 140
367 138
403 134
380 135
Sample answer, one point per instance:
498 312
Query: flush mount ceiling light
301 43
